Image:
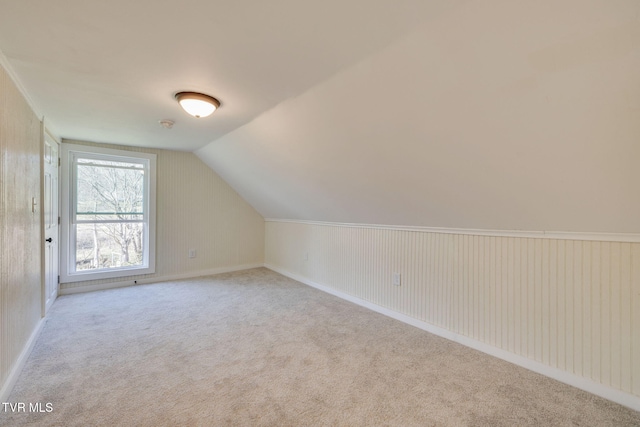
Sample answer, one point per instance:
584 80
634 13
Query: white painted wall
496 115
566 308
197 210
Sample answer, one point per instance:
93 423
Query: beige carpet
255 348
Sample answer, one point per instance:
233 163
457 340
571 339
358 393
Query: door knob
49 240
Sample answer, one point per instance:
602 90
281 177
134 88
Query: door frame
47 136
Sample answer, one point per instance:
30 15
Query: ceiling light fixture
197 104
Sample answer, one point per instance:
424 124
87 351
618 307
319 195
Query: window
108 213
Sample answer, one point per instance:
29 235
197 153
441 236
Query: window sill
104 274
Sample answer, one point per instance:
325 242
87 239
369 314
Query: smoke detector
166 123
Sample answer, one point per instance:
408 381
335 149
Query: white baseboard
8 385
617 396
157 279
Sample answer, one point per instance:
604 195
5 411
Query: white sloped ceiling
108 70
497 115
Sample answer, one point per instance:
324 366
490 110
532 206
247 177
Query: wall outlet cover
397 279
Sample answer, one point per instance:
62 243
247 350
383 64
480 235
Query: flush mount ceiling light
197 104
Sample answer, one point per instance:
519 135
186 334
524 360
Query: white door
51 215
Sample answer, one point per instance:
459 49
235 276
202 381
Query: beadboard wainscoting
567 308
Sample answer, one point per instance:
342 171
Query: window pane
106 193
103 246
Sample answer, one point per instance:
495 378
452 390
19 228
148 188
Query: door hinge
58 220
58 279
59 161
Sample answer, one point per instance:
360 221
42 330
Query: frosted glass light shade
197 104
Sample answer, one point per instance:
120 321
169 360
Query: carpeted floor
254 348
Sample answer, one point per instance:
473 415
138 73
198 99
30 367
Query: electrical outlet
397 278
192 253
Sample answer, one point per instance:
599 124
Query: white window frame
70 152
